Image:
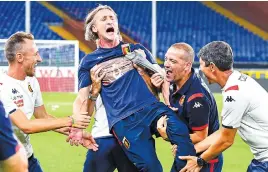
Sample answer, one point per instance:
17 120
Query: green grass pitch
55 155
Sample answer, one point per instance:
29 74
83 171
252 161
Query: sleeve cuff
199 128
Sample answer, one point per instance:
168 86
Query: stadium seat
190 22
134 17
42 18
196 24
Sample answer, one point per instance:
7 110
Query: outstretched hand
89 142
78 136
75 137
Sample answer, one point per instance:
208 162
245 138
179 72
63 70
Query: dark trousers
109 157
134 134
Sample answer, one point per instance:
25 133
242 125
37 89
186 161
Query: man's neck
182 81
223 77
108 44
14 71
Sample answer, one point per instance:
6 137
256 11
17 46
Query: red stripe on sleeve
194 96
235 87
199 128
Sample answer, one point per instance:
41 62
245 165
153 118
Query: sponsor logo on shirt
20 96
229 99
114 69
197 105
243 77
15 91
19 103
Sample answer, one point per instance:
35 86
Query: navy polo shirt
196 104
123 90
8 144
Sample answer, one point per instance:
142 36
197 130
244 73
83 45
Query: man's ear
94 29
19 57
188 65
212 67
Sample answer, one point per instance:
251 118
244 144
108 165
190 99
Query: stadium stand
196 24
134 17
190 22
13 19
42 18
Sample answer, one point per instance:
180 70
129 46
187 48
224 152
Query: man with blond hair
22 98
132 110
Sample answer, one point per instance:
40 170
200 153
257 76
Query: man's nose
38 58
166 64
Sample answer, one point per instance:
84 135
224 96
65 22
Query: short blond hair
14 43
187 48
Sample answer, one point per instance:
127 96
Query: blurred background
156 25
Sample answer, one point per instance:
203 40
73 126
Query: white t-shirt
245 106
100 127
24 95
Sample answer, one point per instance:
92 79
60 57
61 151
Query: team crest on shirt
125 48
126 143
181 101
30 88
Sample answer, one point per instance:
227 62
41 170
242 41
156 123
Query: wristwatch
92 97
201 162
